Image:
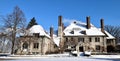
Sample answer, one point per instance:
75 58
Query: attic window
36 34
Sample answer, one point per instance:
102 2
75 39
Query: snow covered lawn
60 57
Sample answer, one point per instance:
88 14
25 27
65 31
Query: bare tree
113 30
15 22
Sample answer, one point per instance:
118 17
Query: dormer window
74 22
83 32
36 34
72 32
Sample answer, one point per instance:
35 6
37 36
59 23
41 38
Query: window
36 45
97 47
90 39
36 34
97 39
109 41
66 39
83 32
72 39
72 32
80 39
25 45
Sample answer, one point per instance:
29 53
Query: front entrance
81 48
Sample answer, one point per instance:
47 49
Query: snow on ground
60 57
106 56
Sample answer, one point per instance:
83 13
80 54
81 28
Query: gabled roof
79 29
109 36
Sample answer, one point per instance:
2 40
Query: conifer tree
32 22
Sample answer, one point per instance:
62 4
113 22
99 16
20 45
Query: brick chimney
60 21
88 22
51 32
60 33
60 26
102 25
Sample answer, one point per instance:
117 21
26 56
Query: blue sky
46 12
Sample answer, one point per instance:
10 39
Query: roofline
83 35
34 36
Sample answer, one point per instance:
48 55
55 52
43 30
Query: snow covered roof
38 29
56 39
77 29
109 35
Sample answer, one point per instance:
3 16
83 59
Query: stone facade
37 41
84 42
36 45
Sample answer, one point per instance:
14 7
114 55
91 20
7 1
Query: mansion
74 37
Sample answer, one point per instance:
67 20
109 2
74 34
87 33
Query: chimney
88 22
51 32
62 26
60 21
102 25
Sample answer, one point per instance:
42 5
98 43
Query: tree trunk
13 40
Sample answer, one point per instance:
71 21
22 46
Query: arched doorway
25 45
81 48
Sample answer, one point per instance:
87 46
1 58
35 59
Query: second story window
97 39
80 39
90 39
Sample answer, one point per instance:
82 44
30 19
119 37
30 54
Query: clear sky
46 12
